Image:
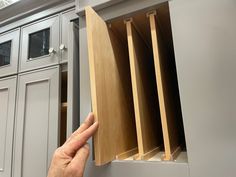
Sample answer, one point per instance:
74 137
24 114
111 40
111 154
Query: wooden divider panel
111 91
144 93
166 91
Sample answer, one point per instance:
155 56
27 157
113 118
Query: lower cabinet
7 107
37 122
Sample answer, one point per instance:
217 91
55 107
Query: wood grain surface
145 96
111 91
166 90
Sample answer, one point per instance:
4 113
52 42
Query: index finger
78 141
85 125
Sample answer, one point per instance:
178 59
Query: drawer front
40 44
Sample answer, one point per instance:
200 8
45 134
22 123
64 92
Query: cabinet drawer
9 49
40 44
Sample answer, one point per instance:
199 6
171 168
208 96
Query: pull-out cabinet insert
134 86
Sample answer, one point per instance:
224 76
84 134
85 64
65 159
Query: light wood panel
111 91
144 93
169 106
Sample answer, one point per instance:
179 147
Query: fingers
87 123
76 142
80 159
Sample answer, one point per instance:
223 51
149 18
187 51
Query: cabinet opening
63 122
132 61
145 98
154 81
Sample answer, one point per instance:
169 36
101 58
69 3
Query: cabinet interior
134 87
63 122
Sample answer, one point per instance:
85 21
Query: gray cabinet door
40 44
73 79
9 49
36 135
66 17
7 107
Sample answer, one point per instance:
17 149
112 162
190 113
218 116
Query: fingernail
90 114
89 117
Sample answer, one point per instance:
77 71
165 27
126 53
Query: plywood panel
111 91
169 105
144 93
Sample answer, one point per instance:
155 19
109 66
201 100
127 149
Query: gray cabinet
9 49
40 44
205 43
66 18
7 109
43 93
37 121
73 78
126 167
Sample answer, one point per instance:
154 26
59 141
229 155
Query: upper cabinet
40 44
66 18
9 49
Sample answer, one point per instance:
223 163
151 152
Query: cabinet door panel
36 122
73 80
7 107
65 33
37 39
9 49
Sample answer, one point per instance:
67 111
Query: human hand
70 159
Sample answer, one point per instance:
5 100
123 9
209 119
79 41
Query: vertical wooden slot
145 96
167 91
111 92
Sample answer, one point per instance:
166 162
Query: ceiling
5 3
24 6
